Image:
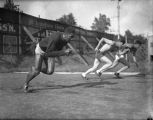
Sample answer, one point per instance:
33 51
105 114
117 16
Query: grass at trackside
69 64
70 97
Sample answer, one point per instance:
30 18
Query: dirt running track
69 97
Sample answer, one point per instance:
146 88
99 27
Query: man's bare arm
58 53
124 51
97 47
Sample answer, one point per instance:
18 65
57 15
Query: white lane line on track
105 73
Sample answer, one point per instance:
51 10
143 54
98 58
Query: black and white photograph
76 59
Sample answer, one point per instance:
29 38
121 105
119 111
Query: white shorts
117 57
38 50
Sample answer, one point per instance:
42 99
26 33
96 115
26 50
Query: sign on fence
9 44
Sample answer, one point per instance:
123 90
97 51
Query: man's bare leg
114 64
106 66
34 71
126 66
122 69
95 66
49 66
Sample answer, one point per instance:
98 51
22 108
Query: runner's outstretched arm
58 53
97 47
135 61
124 51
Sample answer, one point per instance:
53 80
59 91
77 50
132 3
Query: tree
68 19
9 4
129 36
101 24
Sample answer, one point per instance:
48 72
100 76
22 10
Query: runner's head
122 41
137 43
68 34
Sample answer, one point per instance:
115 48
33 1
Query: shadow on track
85 85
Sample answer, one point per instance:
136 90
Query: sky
135 15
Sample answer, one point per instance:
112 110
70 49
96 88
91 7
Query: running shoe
25 88
84 77
117 75
99 74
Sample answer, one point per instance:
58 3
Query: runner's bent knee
50 72
110 63
36 72
128 65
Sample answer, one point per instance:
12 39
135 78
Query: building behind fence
14 40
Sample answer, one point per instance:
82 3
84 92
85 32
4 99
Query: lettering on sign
7 27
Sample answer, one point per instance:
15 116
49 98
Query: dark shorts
124 61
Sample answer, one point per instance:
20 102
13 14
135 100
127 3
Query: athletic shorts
38 50
117 57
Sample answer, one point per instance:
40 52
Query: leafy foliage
68 19
101 24
10 5
131 38
141 53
